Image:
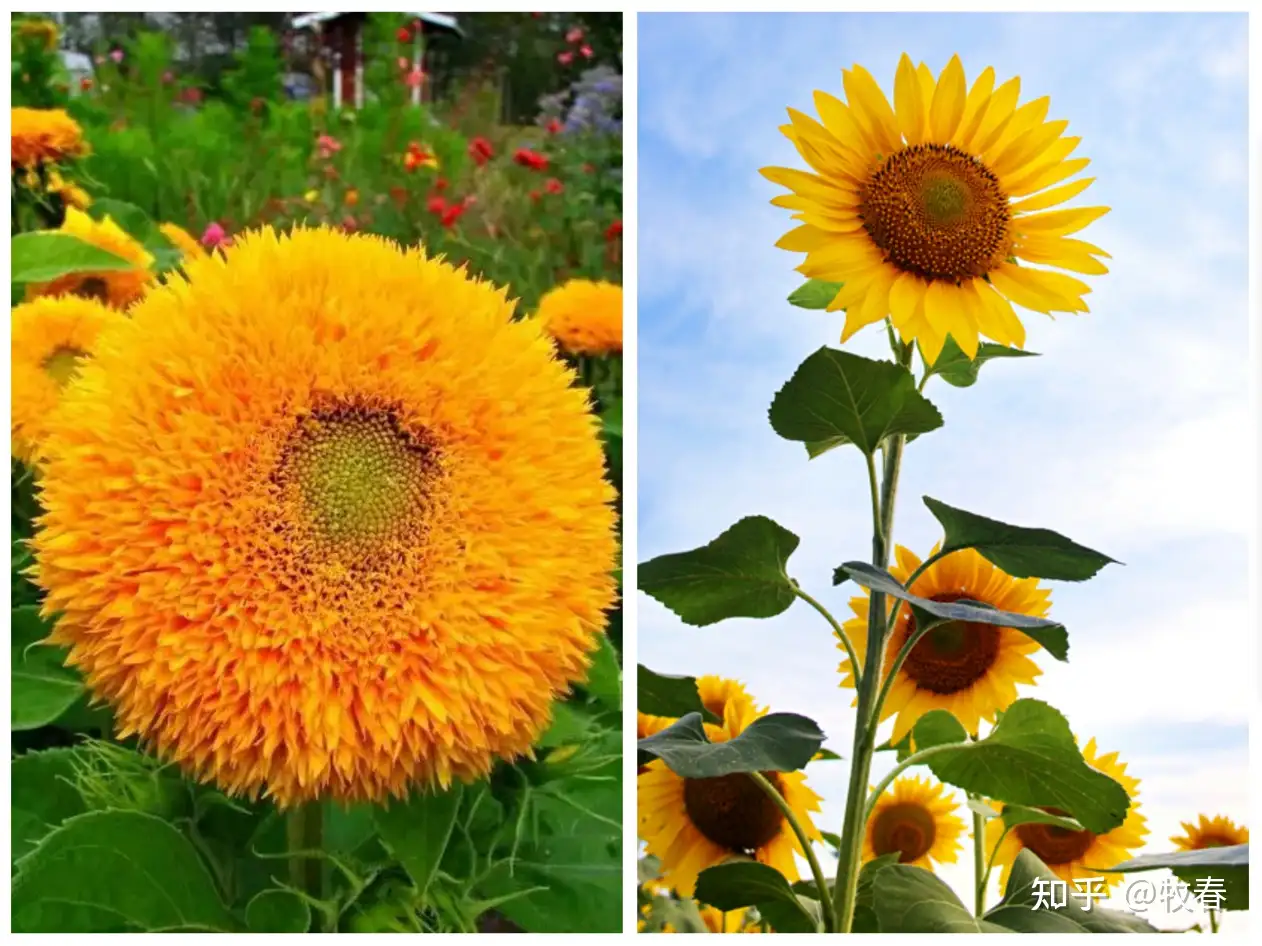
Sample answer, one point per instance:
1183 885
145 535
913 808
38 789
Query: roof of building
443 21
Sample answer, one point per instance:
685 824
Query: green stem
304 829
916 758
900 657
837 629
990 861
821 883
875 492
980 873
1213 921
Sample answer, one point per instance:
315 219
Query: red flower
585 52
614 231
85 83
349 224
436 205
480 150
565 58
553 186
452 215
589 169
440 185
574 36
536 196
404 35
531 159
554 126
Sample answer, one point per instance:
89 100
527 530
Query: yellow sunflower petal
872 107
948 102
974 107
1059 222
909 106
1051 197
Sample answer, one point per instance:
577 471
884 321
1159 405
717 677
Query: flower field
316 434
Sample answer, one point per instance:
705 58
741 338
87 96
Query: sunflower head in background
322 520
584 316
938 211
692 824
44 136
1219 831
916 819
49 343
1076 855
116 287
969 669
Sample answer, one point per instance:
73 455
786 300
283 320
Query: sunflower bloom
585 317
44 135
916 819
692 824
119 287
938 211
182 240
1076 855
971 670
323 520
1219 831
41 31
49 342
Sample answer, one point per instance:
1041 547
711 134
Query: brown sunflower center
937 212
359 480
1054 844
952 657
1213 840
904 828
732 811
63 364
94 287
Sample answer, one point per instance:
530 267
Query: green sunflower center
937 212
358 479
952 657
733 812
904 828
1053 844
63 364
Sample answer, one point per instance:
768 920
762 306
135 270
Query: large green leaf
908 899
1205 867
1030 758
44 795
417 830
43 687
1050 634
604 676
277 911
660 695
956 368
115 870
814 294
936 728
836 398
864 920
1030 883
42 257
741 574
750 884
778 742
1021 552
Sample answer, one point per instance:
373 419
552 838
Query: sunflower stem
837 629
899 659
980 873
304 829
916 758
1213 921
821 883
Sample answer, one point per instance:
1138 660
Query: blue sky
1132 433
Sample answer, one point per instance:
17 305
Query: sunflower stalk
821 883
304 830
981 873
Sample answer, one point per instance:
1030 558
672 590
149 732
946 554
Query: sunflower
1219 831
49 341
692 824
916 819
118 287
930 211
323 520
1076 855
182 240
968 669
42 135
584 317
716 921
42 32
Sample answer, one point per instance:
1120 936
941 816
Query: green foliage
747 884
814 294
277 911
1016 910
778 742
43 687
1227 864
661 695
417 832
739 574
957 369
43 257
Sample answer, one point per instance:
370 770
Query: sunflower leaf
865 920
41 257
1049 634
1014 815
750 884
417 830
1030 758
958 370
741 574
277 911
835 398
1224 869
910 899
43 795
1021 552
660 695
814 294
1029 883
779 742
43 687
130 218
937 728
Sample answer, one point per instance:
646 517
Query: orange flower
41 134
118 287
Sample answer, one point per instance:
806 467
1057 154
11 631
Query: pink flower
415 77
117 55
404 63
586 52
328 146
168 77
214 235
100 60
574 36
565 58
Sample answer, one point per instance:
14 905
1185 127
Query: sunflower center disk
358 481
732 811
937 212
1054 844
906 829
63 364
951 658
